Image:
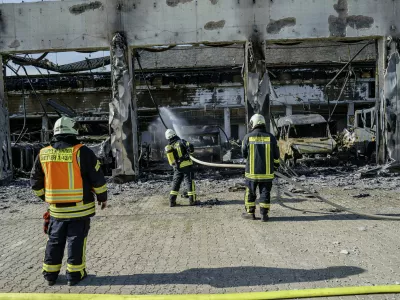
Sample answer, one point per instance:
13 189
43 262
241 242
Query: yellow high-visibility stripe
73 191
55 209
98 165
73 215
186 163
248 204
177 146
259 176
252 159
78 158
265 205
174 193
268 161
75 268
84 257
277 161
171 158
71 176
39 192
61 197
259 139
101 189
194 190
51 268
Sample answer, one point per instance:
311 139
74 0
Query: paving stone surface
141 246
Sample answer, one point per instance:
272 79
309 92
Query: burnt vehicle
304 137
206 141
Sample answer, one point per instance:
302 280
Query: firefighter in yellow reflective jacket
262 153
178 153
67 175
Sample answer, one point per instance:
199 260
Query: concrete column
350 113
289 110
45 130
6 170
256 80
380 104
227 121
122 119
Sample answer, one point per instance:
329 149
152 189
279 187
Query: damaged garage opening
274 69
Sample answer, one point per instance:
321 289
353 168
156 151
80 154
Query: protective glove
46 217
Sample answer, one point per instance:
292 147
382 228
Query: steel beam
84 24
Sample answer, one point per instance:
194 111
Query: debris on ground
237 187
362 195
210 203
344 252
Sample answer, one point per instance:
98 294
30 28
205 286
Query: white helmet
256 120
169 134
65 125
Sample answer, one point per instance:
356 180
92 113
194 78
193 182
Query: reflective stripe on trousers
61 232
251 195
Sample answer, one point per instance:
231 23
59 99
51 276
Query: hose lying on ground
288 294
298 185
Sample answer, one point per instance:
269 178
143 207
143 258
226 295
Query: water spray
148 88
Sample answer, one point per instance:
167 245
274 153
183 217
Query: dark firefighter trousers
74 232
185 174
265 196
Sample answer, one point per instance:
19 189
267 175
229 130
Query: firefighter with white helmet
261 150
67 175
178 153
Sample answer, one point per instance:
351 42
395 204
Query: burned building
217 74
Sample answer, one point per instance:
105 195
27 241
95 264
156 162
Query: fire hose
298 185
288 294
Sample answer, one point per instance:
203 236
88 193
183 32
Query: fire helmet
65 125
257 120
169 134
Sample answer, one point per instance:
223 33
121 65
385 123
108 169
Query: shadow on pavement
227 277
326 217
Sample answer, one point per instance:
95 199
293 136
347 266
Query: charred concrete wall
174 22
5 144
391 107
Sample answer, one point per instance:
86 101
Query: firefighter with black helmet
178 153
261 150
67 175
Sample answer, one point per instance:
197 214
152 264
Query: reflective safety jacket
67 175
178 153
63 181
261 150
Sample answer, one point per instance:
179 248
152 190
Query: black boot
265 218
249 216
264 214
51 282
193 201
172 201
76 281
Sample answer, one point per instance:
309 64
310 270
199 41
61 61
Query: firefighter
178 153
260 149
67 175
